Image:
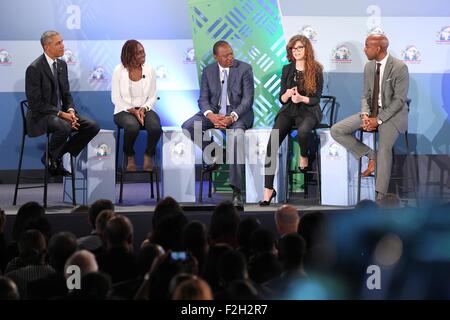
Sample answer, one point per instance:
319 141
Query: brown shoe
131 165
370 168
148 165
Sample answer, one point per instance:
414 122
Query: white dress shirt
50 62
221 70
382 67
126 94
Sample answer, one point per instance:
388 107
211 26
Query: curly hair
311 65
128 55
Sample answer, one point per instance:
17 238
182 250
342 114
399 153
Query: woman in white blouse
134 96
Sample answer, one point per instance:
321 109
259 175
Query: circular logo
375 30
444 34
189 55
341 53
309 32
333 150
69 57
411 54
161 72
5 57
98 74
103 150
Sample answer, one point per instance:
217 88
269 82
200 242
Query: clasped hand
369 124
139 113
295 96
219 120
70 117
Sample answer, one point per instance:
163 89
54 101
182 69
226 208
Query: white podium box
339 173
255 155
178 165
95 176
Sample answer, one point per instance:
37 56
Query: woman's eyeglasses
298 48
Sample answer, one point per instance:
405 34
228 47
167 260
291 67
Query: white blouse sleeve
116 94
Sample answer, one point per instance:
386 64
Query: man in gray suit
226 102
383 107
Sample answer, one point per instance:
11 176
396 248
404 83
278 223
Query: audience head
312 228
32 247
27 213
97 207
193 289
8 289
245 229
195 240
232 266
119 232
147 256
169 231
224 224
60 247
211 267
286 219
262 240
85 260
366 205
292 249
164 208
101 221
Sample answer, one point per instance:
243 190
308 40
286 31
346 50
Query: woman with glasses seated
133 94
301 89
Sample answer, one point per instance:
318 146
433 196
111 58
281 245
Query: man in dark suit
383 108
51 107
226 102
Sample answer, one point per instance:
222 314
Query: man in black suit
51 107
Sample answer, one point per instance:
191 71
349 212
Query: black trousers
64 139
131 126
303 120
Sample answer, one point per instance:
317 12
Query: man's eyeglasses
298 48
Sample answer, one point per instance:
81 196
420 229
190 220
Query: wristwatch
379 121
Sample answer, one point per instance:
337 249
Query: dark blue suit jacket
240 90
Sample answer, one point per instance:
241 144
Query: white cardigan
120 91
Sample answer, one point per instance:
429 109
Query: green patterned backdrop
254 30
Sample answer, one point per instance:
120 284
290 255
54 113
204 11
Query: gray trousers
343 132
235 155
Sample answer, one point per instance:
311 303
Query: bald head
286 219
84 260
376 47
379 40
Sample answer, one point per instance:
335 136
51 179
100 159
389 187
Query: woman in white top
134 96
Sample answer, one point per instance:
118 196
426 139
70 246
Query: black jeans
304 121
131 126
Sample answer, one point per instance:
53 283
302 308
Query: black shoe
265 203
210 167
61 170
53 167
237 198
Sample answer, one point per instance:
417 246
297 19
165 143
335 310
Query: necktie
376 92
224 94
55 78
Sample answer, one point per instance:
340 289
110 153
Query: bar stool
23 110
328 105
153 175
412 176
203 172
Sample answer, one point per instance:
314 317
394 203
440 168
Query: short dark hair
218 44
28 212
97 207
129 49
